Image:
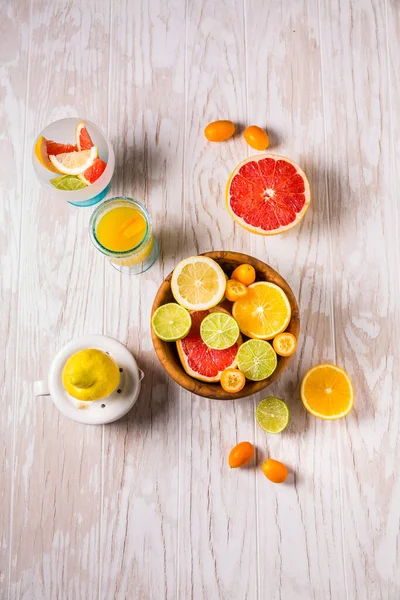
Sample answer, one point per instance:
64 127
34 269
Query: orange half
264 311
327 392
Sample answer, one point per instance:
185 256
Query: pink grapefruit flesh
268 194
93 173
200 361
83 139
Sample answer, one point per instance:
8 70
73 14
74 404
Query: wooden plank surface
57 464
13 87
147 508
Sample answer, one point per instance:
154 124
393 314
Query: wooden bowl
168 355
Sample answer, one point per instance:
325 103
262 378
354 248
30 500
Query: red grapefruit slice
83 139
56 148
93 173
200 361
267 194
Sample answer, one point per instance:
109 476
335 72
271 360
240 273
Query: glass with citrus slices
120 228
74 161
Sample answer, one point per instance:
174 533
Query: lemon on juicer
90 375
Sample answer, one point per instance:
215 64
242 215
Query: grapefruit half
200 361
267 194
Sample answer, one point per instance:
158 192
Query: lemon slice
264 311
198 283
74 163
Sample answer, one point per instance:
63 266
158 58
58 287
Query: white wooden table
147 508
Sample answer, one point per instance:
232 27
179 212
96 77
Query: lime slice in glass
68 183
171 322
257 359
272 415
219 331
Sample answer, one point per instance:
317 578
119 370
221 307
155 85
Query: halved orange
264 311
327 392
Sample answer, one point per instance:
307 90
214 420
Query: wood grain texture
217 518
141 453
57 471
13 86
366 288
301 553
147 508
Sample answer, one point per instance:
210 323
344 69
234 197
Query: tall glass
141 256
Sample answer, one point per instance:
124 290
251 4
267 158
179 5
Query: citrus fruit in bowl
195 375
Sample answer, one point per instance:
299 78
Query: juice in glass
120 229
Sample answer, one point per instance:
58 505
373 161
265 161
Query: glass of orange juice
120 228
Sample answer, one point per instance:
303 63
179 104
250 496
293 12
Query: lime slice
171 322
68 183
257 359
219 331
272 415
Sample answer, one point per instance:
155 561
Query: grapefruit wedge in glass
267 194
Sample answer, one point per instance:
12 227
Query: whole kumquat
246 274
256 137
274 470
241 454
219 131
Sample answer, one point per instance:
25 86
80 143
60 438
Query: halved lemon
264 311
74 163
327 392
198 283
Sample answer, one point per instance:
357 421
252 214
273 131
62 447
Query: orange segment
263 312
327 392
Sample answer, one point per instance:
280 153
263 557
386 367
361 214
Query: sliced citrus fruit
272 415
83 139
267 194
198 283
93 172
245 273
257 359
327 392
264 312
232 380
57 148
171 322
73 163
68 183
219 330
197 359
235 290
285 344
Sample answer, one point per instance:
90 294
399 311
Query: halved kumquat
285 344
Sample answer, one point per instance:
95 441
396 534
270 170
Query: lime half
272 415
219 331
68 183
171 322
257 359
